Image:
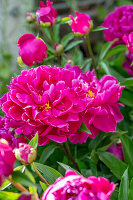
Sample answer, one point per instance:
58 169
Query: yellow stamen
47 106
90 93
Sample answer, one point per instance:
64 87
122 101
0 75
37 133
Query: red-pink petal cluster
46 13
7 160
129 42
74 186
55 101
81 24
119 23
128 64
32 50
116 150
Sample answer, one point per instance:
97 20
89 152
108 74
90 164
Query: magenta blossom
45 100
7 160
7 131
116 150
119 23
128 64
26 196
129 42
32 50
26 154
74 186
81 24
46 13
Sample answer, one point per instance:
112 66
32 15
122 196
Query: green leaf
105 66
105 49
113 163
123 190
127 98
131 190
67 167
47 152
99 28
9 195
49 173
43 185
34 141
127 145
21 178
67 39
84 128
116 50
127 82
56 31
73 44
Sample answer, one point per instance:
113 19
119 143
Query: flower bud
30 18
20 62
26 154
32 50
58 48
116 150
81 24
7 160
26 196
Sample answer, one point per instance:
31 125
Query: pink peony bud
32 50
46 13
26 196
26 154
81 24
7 160
58 48
116 150
129 41
74 186
30 17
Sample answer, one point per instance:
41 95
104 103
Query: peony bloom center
47 106
90 94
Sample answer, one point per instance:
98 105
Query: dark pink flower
32 50
116 150
7 160
119 23
46 13
129 42
26 196
47 100
26 154
128 63
74 186
81 24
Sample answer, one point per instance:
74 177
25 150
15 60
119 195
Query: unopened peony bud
58 48
26 154
7 160
116 150
30 18
32 50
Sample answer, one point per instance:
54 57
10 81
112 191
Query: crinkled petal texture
76 187
32 50
128 63
128 39
7 160
119 23
55 101
46 13
81 23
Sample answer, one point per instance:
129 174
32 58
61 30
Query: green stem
38 173
17 185
91 54
70 156
51 35
45 35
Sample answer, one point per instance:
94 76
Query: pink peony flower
119 23
26 196
129 42
46 100
7 131
81 24
32 50
128 64
116 150
74 186
7 160
46 13
26 154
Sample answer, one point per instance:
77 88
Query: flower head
119 23
26 154
26 196
32 50
129 42
128 63
74 186
116 150
7 160
46 13
81 24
